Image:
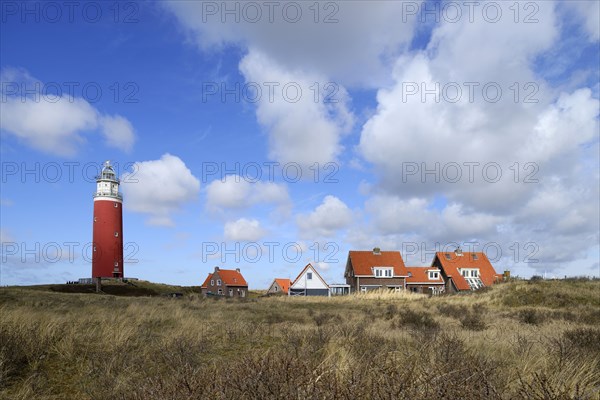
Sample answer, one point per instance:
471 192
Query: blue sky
395 108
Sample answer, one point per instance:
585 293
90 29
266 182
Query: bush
452 310
473 321
419 320
584 338
532 316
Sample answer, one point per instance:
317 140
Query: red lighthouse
107 255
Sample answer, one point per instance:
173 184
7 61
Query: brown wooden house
370 270
463 271
225 282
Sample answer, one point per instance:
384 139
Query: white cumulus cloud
55 124
159 188
328 218
243 229
235 192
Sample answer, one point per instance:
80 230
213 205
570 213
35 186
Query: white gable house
309 283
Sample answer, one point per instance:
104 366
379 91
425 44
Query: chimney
458 251
216 269
377 251
237 269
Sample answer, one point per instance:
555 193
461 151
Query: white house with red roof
463 271
225 282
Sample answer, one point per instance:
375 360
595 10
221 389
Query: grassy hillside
518 340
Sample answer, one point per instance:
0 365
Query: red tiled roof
205 284
284 284
232 277
420 275
363 262
479 260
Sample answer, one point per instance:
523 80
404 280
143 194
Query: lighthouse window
94 248
95 219
116 234
116 263
116 205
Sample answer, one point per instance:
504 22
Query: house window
242 293
230 292
474 273
383 272
218 282
363 289
397 289
212 282
220 292
447 255
434 274
464 273
309 275
276 288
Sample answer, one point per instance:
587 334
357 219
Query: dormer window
383 272
447 255
475 257
434 275
469 272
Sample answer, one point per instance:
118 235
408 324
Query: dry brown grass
87 346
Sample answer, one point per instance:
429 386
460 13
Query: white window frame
363 289
230 292
218 282
383 272
220 291
212 282
116 234
434 275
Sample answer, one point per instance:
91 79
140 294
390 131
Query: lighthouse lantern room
107 251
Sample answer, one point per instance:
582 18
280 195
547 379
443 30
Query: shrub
473 321
452 310
419 320
532 316
584 338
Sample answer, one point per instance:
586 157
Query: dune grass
517 340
